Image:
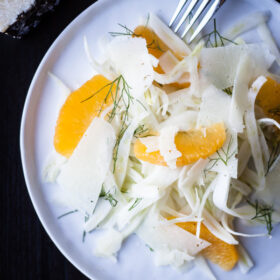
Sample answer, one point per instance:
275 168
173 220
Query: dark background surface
26 251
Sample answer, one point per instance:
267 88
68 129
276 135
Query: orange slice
269 99
219 252
193 145
75 115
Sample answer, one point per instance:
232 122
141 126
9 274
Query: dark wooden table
26 251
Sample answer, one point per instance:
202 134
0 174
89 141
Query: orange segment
269 99
181 86
75 116
192 144
219 252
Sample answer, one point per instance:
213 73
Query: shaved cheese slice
108 244
163 237
158 101
178 46
53 166
192 67
247 23
184 121
168 61
167 146
151 142
182 100
161 176
220 64
239 101
82 175
130 58
174 75
185 71
144 191
214 107
112 239
175 257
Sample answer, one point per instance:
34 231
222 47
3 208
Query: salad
174 142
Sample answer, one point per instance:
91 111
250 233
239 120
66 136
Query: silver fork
196 8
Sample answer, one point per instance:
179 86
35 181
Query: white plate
66 58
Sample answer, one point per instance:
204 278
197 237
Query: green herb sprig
84 236
150 248
263 214
274 155
155 46
117 145
108 196
223 155
126 32
136 202
140 131
67 213
119 91
84 232
215 39
228 90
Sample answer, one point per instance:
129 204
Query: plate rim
22 144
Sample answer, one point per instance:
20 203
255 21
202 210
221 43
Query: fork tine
205 19
179 8
186 14
195 17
